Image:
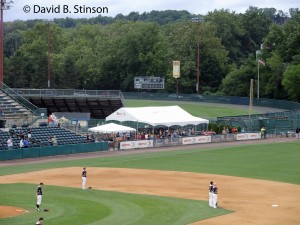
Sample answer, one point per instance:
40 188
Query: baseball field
258 184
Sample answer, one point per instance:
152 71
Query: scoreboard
149 83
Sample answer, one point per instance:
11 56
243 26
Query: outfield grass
202 110
277 162
77 207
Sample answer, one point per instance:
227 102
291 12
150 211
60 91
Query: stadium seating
40 136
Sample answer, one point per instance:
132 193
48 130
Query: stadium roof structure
156 116
111 128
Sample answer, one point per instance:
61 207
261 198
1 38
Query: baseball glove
89 187
46 210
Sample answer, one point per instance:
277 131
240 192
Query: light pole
198 20
4 6
49 52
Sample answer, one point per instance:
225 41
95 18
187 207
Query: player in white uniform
39 196
84 175
215 196
210 194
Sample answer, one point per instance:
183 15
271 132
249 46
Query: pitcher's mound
9 211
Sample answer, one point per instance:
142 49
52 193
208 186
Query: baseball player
215 196
84 174
40 222
210 194
39 195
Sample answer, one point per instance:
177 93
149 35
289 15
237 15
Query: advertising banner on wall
248 136
167 142
196 140
136 144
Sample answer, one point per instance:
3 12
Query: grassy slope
194 108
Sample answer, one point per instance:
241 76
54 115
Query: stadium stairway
12 111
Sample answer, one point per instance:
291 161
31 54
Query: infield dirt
250 199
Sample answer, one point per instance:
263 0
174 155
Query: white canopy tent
111 128
156 116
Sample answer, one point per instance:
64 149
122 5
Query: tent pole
137 129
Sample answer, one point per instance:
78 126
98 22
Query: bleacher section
12 109
40 136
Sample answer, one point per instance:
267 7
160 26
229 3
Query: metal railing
36 113
69 92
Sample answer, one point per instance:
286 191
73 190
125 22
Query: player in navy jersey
215 196
39 195
210 194
40 222
84 175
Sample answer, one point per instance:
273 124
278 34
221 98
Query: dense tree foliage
107 53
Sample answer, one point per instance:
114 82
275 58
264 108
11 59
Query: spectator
54 141
29 133
224 133
26 143
21 143
233 130
88 138
262 132
50 120
50 141
55 120
227 131
265 133
298 133
21 134
1 113
10 143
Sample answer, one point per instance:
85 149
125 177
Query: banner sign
217 138
196 140
167 142
176 69
136 144
248 136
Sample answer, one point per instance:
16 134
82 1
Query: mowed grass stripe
277 162
77 207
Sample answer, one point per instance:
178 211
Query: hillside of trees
108 52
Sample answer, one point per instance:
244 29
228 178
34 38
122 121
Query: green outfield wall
24 153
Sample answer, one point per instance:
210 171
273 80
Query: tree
182 41
230 30
257 25
291 82
271 78
237 82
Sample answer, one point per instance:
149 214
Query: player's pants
215 201
83 182
210 199
39 199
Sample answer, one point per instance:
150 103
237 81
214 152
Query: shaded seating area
40 136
